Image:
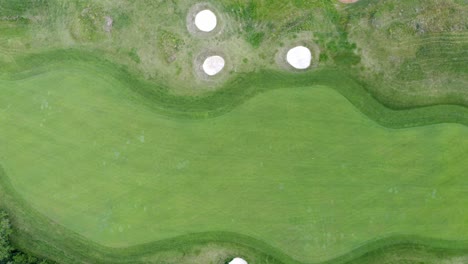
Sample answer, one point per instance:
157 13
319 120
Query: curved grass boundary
35 233
233 93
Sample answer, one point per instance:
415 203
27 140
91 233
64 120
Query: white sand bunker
348 1
299 57
238 261
213 65
206 20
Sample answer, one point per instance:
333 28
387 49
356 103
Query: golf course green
102 163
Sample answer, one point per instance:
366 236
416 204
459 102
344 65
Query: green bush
5 231
8 254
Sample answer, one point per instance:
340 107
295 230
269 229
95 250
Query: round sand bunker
213 65
299 57
348 1
206 20
238 261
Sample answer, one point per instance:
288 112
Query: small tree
5 231
8 254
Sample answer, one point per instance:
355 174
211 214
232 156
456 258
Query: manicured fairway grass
300 169
114 149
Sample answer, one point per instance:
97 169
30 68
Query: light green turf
300 169
333 180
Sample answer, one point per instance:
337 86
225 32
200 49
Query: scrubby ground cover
414 52
104 160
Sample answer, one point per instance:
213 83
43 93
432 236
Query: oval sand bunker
213 65
206 20
238 261
299 57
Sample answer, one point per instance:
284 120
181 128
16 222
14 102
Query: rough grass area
413 52
113 151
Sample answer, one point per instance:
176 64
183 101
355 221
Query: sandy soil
202 75
299 57
213 65
303 39
238 261
192 16
206 20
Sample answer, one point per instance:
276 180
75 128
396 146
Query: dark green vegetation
103 160
8 253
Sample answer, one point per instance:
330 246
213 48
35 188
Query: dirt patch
108 24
